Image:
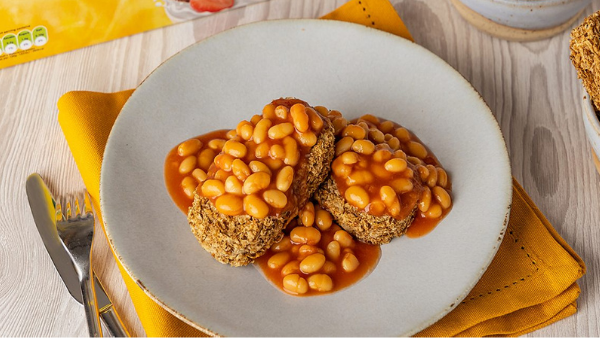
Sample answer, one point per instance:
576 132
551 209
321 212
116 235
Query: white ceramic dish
528 14
229 77
592 126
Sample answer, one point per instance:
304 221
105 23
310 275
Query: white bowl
528 14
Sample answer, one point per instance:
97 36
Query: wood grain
531 88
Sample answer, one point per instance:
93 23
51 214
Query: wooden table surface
531 88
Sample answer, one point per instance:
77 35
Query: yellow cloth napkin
530 283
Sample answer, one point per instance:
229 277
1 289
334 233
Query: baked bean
357 196
290 268
307 139
394 143
395 165
414 160
277 152
255 206
434 211
376 136
280 131
329 267
349 157
275 198
224 161
256 182
312 263
394 208
320 282
401 185
216 144
229 204
425 200
187 165
212 188
269 111
295 284
189 147
347 250
254 120
386 126
350 262
238 128
442 196
423 172
221 175
246 131
400 154
240 169
363 125
388 195
343 145
272 163
432 178
442 180
189 186
387 137
231 134
284 244
305 235
251 154
279 259
339 124
299 117
257 166
261 130
206 158
316 123
281 112
334 113
284 178
360 177
306 250
235 149
262 150
417 149
402 134
340 169
322 110
371 118
333 250
382 155
199 174
292 155
354 131
307 214
233 185
376 208
323 219
365 147
344 238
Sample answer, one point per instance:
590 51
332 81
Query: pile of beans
254 165
377 164
316 255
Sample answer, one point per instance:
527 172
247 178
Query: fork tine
69 205
87 203
59 212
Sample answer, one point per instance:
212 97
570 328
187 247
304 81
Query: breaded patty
364 226
238 240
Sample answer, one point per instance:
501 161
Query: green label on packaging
40 36
25 39
9 41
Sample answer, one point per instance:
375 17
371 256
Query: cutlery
43 208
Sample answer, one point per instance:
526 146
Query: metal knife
43 208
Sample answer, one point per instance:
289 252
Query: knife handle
113 321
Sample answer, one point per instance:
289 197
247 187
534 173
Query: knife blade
43 208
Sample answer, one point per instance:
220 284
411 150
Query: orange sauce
368 255
173 177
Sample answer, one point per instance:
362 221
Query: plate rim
439 60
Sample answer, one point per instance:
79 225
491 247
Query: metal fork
75 227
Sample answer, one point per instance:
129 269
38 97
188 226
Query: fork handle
89 304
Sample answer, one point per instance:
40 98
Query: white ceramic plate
229 77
